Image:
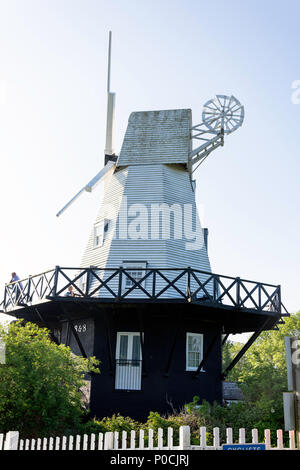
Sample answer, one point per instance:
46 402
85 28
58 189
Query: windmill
156 153
146 301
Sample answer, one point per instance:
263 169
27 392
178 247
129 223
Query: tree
266 354
261 373
40 382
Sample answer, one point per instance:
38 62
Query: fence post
109 441
184 437
11 440
216 433
203 437
254 436
268 439
279 439
292 440
242 436
229 437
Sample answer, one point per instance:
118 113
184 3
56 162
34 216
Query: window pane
136 348
194 343
123 347
193 359
194 350
135 274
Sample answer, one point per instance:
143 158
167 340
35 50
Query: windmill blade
90 186
70 202
97 179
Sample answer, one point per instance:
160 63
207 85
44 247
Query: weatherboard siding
148 184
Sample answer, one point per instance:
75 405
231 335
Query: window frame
128 376
187 367
99 224
130 335
102 224
134 266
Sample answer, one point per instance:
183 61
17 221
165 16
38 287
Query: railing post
4 299
238 291
153 282
215 287
188 284
11 440
184 438
120 282
28 289
54 289
279 299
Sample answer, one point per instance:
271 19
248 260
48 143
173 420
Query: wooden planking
153 184
157 137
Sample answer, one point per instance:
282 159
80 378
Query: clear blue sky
166 54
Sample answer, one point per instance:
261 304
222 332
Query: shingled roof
231 391
157 137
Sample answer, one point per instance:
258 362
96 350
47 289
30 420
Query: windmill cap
156 137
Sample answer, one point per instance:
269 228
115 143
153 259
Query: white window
128 361
98 233
101 230
136 270
194 350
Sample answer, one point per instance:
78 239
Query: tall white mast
110 108
109 157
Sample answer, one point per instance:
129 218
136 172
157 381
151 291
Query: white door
128 361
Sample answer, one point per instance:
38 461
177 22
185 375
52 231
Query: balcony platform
237 305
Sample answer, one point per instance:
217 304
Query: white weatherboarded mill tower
148 217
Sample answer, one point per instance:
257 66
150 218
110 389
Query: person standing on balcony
16 289
14 277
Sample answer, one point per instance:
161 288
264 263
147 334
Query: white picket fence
136 441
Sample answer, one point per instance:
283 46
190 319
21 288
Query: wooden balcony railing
155 285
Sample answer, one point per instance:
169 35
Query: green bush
40 384
258 415
115 423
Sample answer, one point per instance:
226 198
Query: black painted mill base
155 379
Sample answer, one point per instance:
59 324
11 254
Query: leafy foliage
40 382
115 423
261 374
